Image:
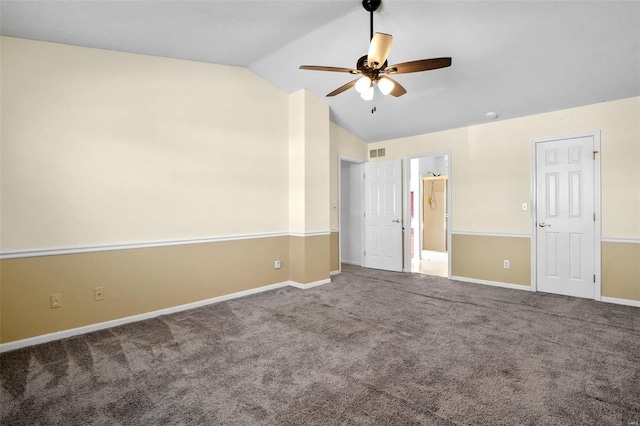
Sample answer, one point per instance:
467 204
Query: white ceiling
513 57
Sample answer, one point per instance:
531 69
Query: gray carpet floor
372 347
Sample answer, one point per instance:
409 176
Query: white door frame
407 206
342 158
596 203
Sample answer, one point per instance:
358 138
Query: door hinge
365 252
594 154
594 278
365 214
594 217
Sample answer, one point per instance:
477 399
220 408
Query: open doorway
351 187
429 211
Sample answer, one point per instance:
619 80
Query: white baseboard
627 302
334 273
351 262
4 347
309 285
617 301
493 283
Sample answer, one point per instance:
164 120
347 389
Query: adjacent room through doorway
428 204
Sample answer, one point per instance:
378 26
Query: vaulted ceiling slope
515 58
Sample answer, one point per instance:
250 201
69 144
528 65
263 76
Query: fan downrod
371 5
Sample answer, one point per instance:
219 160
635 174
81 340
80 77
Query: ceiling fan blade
397 90
332 69
417 66
379 50
343 88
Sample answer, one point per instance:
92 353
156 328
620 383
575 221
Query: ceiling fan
373 66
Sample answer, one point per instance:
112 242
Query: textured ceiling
513 57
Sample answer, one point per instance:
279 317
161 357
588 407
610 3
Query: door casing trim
596 206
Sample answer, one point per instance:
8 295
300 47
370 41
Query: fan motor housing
362 62
363 66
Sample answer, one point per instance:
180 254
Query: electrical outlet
506 265
525 207
56 301
98 293
277 264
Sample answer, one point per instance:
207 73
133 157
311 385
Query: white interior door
383 215
565 217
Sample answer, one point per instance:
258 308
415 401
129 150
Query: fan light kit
373 67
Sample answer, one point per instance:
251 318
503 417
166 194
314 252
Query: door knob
396 221
542 224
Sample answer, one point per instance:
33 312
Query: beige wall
297 161
334 250
621 270
317 164
102 147
492 165
309 142
135 281
481 257
491 174
309 187
309 258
